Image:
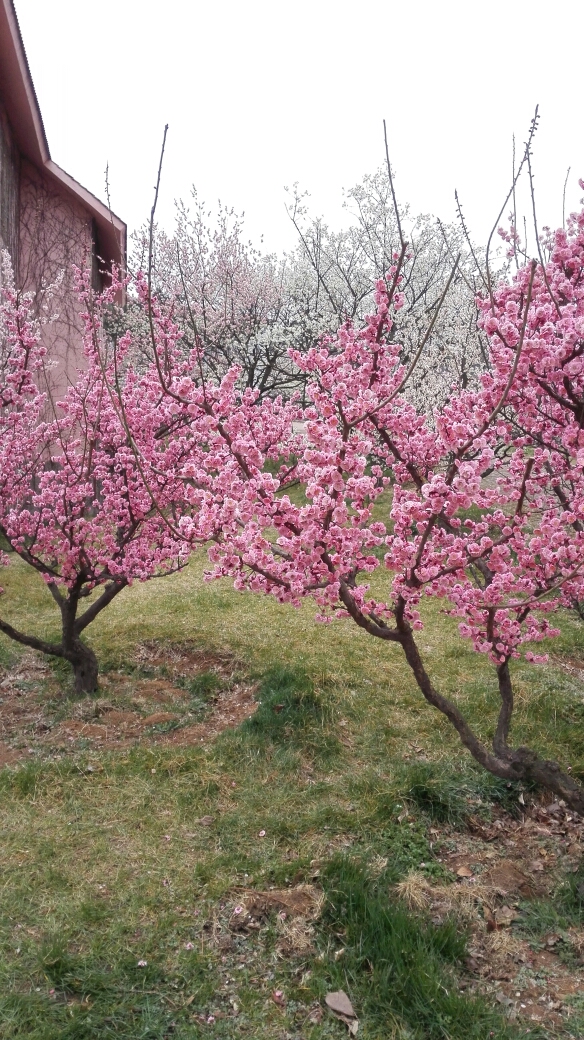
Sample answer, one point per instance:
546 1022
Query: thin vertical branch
396 210
467 236
153 212
526 155
515 210
564 198
150 265
537 239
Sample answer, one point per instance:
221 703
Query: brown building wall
48 221
56 235
9 189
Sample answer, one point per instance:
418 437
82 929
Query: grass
107 866
398 965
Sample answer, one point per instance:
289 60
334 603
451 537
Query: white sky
259 94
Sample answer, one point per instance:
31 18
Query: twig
151 258
564 198
538 243
467 236
526 153
514 211
396 210
505 393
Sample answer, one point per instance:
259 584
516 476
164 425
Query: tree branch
36 644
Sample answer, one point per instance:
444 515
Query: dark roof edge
20 54
113 230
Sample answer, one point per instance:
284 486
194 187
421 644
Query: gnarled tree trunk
85 667
80 656
509 763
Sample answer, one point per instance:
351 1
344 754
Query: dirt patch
230 709
23 713
143 691
87 730
196 698
120 718
506 878
182 660
158 719
301 901
8 755
498 868
294 909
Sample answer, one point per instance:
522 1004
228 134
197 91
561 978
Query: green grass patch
105 861
291 714
398 967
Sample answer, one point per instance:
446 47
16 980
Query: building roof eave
22 107
111 228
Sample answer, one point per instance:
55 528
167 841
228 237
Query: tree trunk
547 774
85 667
508 763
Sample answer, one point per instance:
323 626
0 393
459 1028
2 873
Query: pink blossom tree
74 503
547 397
513 449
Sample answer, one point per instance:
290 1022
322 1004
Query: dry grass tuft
415 891
295 909
462 900
503 944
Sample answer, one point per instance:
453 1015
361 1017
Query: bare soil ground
157 703
501 868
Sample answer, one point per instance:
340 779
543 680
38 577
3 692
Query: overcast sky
261 94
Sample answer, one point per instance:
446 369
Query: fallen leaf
503 999
340 1003
475 826
505 915
536 864
552 940
464 872
206 821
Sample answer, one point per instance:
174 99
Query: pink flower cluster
75 502
481 504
